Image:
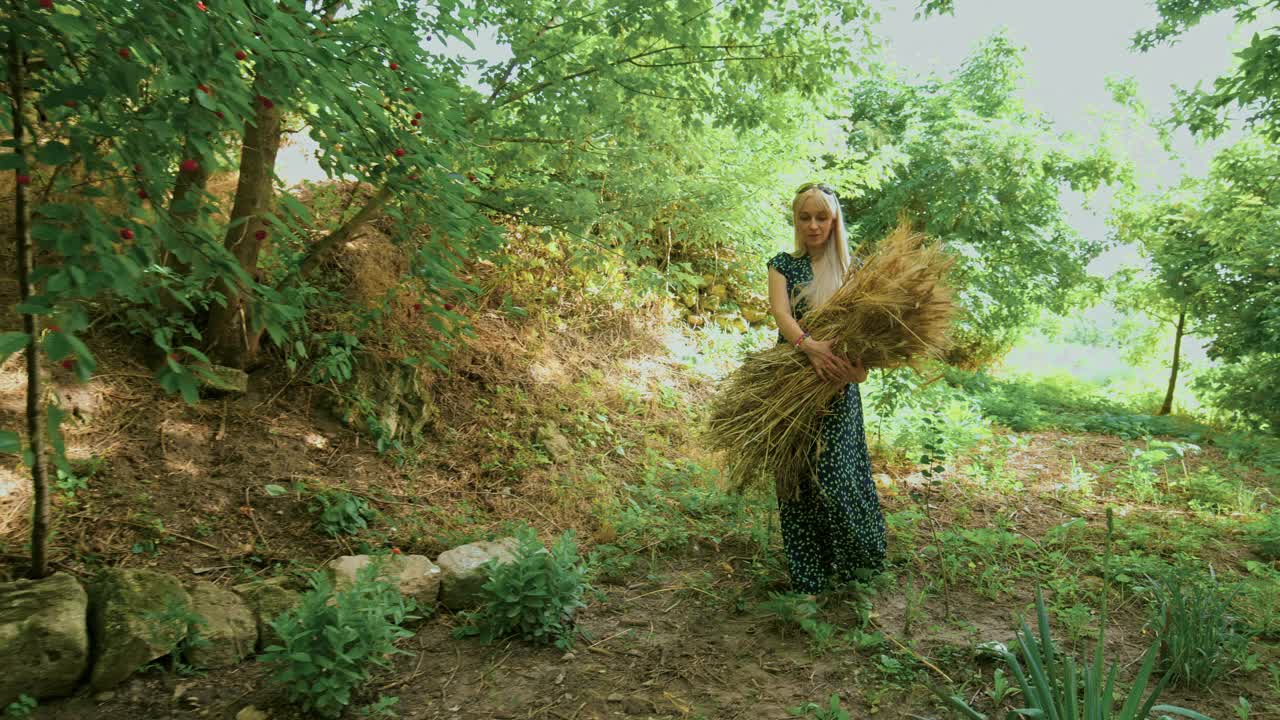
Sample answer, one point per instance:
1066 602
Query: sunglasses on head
821 186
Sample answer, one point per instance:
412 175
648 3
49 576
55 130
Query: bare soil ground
180 489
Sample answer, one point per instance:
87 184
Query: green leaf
275 490
54 153
12 342
10 442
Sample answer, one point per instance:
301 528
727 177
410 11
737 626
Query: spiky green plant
1054 689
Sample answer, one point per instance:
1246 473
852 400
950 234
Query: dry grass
894 311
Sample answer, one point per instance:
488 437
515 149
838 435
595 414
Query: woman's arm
829 366
780 307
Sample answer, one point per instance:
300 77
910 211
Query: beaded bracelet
801 339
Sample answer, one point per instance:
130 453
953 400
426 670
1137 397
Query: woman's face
814 221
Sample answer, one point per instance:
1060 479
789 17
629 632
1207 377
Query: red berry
68 364
417 307
190 166
265 102
126 234
448 306
241 55
24 179
54 328
142 194
400 152
201 7
70 103
124 53
417 116
408 90
137 167
260 235
413 177
414 123
395 551
395 66
471 177
46 4
220 115
204 89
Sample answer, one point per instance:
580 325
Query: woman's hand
830 367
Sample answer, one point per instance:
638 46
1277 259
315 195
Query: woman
833 532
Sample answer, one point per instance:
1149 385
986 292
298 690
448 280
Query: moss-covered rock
268 600
229 630
135 616
44 643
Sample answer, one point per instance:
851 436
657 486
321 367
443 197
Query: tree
1215 260
1169 235
1254 85
968 163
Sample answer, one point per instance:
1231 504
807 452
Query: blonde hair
830 269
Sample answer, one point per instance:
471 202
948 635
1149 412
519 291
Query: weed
1191 617
22 707
790 610
535 596
332 640
1052 687
830 711
341 513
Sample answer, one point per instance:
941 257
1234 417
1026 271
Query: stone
230 631
555 443
224 380
463 574
414 575
249 712
135 616
44 643
268 600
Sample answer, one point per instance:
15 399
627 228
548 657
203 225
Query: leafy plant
1192 619
830 711
535 596
341 513
1053 687
22 707
331 641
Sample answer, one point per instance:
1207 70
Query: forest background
389 211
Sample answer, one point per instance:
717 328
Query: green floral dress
835 528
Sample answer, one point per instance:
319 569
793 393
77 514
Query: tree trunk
1167 407
30 325
231 336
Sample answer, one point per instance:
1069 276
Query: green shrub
331 640
1192 621
341 513
535 596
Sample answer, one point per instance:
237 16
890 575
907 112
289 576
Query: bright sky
1070 49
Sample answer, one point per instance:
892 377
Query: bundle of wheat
893 311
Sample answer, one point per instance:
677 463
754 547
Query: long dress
835 528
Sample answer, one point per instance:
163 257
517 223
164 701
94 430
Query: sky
1070 49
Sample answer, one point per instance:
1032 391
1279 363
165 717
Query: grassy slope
689 621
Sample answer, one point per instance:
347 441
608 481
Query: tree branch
345 232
